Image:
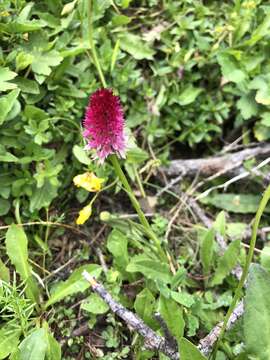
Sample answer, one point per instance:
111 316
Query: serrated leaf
188 351
74 284
5 76
6 104
226 263
152 269
43 62
257 313
230 68
247 106
135 46
173 316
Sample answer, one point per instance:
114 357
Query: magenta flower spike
104 124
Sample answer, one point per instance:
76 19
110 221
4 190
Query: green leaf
152 269
145 306
265 257
4 205
95 305
135 46
17 250
42 197
173 316
183 298
27 86
54 348
189 95
188 351
119 20
247 106
23 60
207 250
226 263
235 203
74 284
261 31
4 273
257 314
220 224
117 245
5 76
22 26
81 155
9 339
6 104
230 68
43 62
34 346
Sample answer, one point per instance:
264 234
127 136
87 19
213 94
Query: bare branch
151 339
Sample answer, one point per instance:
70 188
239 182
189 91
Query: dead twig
151 339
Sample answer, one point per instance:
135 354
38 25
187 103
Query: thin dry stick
151 339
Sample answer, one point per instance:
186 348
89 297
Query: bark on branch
151 339
216 164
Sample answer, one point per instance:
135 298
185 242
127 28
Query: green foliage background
185 71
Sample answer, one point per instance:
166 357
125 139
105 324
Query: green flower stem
237 295
92 44
136 206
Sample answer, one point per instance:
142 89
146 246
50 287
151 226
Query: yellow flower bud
84 214
88 181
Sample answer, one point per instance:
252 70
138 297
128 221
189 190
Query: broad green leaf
74 284
236 230
235 203
230 68
188 351
145 306
247 106
9 340
257 314
152 269
207 250
119 20
5 76
135 46
4 205
54 348
6 104
27 86
183 298
117 245
265 257
95 305
17 250
261 31
42 197
34 346
172 313
23 60
226 263
4 272
189 95
43 62
81 155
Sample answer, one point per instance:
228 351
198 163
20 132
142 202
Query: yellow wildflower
89 181
84 214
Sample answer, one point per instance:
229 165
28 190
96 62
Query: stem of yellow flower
92 44
136 206
262 206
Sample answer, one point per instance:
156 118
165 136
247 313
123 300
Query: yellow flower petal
84 214
88 181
